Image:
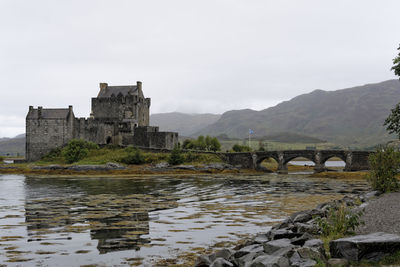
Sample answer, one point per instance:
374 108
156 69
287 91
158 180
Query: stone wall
43 135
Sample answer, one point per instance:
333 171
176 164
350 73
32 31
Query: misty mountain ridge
352 116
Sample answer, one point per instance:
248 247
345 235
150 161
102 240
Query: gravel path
382 215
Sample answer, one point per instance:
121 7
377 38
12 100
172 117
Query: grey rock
261 238
249 249
275 245
311 253
302 217
220 262
307 228
279 259
299 241
185 167
338 262
202 261
162 165
298 261
246 260
371 247
223 253
282 233
283 224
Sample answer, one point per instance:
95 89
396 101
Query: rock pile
293 242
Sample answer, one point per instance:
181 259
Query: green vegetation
341 221
77 150
396 64
1 159
176 157
240 148
202 143
392 122
129 156
135 156
384 167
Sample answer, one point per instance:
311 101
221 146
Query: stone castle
120 116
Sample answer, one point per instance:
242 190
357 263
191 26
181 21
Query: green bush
176 157
77 150
54 154
340 221
240 148
202 143
135 156
384 163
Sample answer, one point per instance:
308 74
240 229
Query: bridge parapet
355 160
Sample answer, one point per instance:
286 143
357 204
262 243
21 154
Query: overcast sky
192 56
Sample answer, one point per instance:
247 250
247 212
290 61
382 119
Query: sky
207 56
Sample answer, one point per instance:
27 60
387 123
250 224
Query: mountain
13 146
352 116
184 124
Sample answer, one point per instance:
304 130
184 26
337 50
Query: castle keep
120 116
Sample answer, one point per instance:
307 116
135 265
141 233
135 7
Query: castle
120 116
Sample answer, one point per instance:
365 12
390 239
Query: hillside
351 116
13 146
184 124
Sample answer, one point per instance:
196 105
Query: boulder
246 260
249 249
335 262
202 261
275 245
299 241
220 262
298 261
371 247
261 238
223 253
279 258
282 233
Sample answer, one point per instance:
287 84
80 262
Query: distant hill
13 146
351 116
291 138
184 124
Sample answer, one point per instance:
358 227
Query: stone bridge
355 160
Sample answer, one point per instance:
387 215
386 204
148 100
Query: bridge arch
262 158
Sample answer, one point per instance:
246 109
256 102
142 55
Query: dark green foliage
135 156
77 149
396 64
1 159
392 122
384 166
176 157
202 143
190 157
340 221
54 154
240 148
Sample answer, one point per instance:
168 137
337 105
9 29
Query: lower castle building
120 116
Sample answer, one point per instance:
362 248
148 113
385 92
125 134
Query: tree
384 163
392 122
176 156
215 144
396 64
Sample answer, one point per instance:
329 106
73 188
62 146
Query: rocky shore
296 242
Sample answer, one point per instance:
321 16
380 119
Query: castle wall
122 107
152 138
44 135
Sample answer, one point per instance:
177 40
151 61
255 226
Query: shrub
54 154
176 156
135 156
340 221
202 143
240 148
77 150
190 157
384 164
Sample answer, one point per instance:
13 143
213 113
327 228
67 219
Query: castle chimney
30 108
139 85
40 112
70 108
103 86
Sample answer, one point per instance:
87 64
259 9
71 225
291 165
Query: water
143 220
333 163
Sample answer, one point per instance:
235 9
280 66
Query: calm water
139 221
